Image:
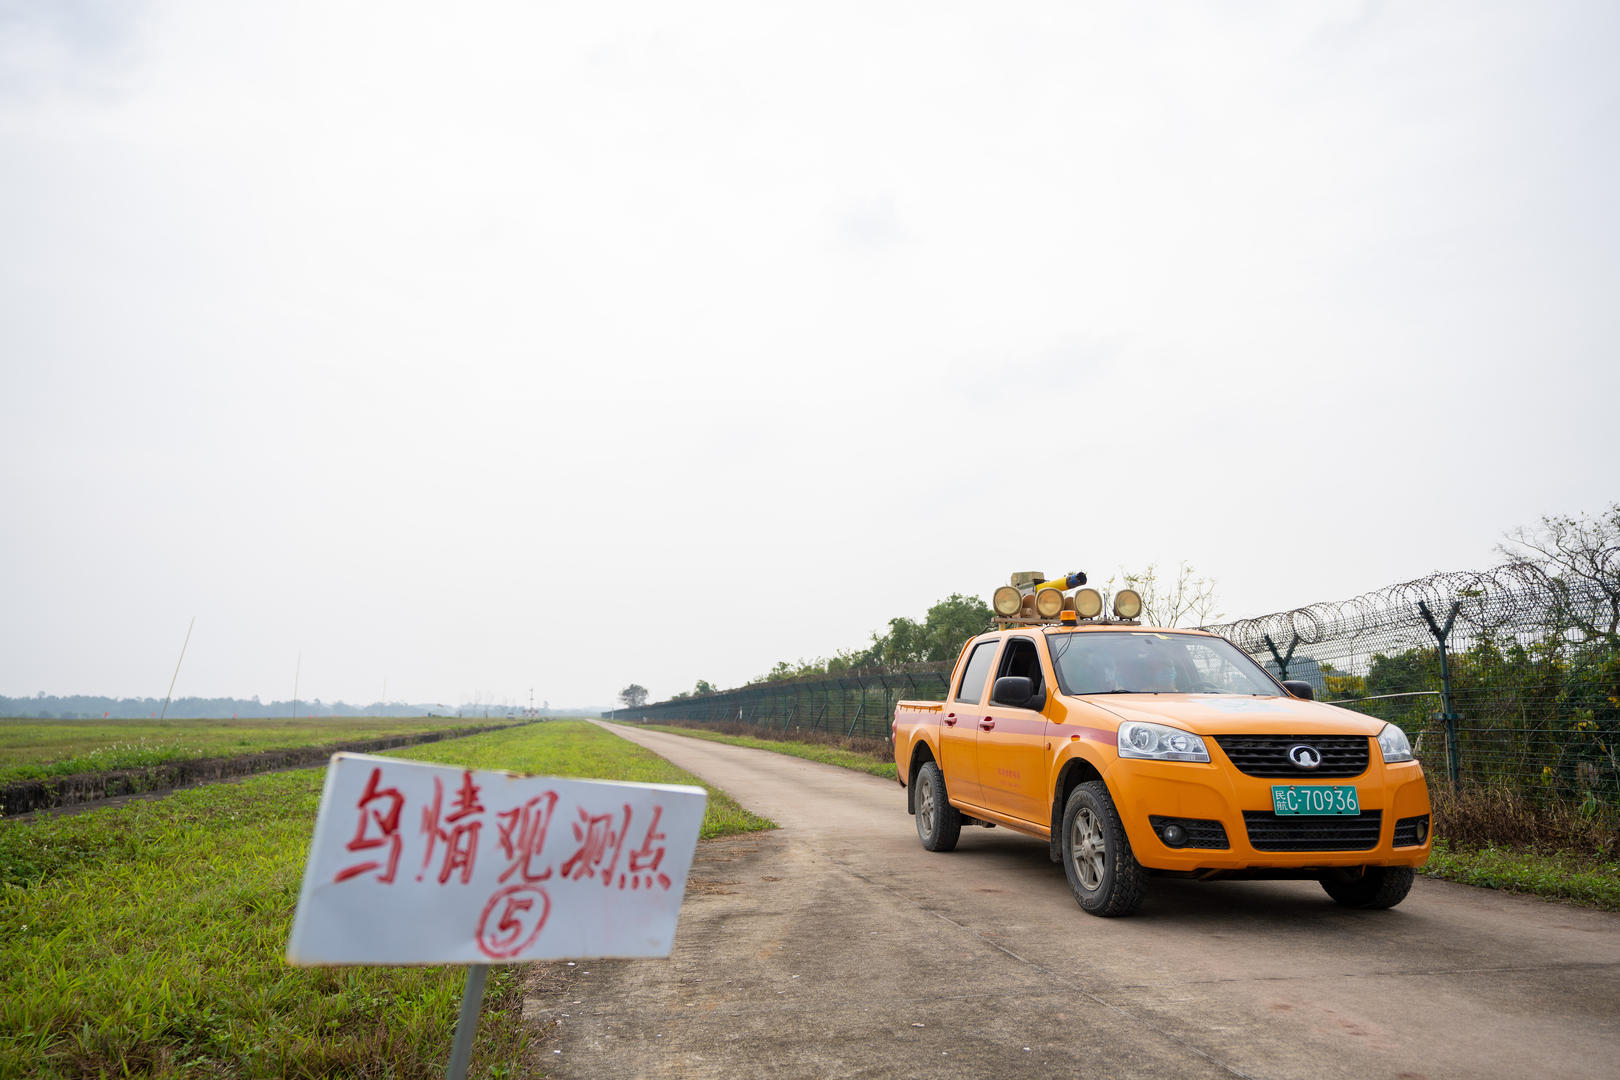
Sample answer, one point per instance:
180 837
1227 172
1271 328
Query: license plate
1296 799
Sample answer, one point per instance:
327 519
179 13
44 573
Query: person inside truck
1105 674
1151 671
1161 673
1097 670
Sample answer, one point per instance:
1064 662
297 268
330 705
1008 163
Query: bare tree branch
1189 600
1578 557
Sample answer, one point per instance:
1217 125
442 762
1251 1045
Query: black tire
1103 872
1369 886
939 824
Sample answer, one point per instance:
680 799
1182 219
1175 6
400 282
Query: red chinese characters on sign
460 840
451 828
378 828
523 837
645 860
600 846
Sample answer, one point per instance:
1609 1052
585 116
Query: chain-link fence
858 703
1507 676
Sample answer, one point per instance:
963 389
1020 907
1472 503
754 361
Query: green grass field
34 749
147 939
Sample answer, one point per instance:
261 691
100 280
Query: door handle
950 719
987 724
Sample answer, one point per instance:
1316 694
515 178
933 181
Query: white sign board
432 864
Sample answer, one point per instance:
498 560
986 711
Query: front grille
1201 833
1406 831
1267 755
1269 832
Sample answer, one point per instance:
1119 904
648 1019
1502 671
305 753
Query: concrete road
838 947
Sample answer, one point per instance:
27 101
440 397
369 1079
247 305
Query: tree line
938 636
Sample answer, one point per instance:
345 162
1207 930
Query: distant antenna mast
176 674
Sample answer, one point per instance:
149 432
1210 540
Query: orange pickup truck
1137 751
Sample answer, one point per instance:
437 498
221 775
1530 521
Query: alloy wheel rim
925 809
1088 849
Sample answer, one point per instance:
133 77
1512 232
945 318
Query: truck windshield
1155 662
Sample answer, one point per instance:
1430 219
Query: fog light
1422 829
1088 603
1174 835
1127 604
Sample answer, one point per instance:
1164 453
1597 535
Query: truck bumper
1228 821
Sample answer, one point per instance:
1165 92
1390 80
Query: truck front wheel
938 822
1102 871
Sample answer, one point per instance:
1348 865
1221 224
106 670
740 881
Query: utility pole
177 663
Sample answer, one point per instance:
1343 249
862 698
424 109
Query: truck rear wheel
938 822
1102 871
1369 886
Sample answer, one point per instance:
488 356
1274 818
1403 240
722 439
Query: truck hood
1229 714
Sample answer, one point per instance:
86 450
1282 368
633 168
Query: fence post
1282 659
1449 714
860 708
888 698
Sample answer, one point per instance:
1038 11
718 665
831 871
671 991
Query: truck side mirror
1013 691
1300 689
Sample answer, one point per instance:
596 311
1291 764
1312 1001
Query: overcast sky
460 349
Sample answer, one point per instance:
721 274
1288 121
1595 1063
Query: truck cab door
959 726
1012 740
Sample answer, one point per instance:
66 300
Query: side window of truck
976 674
1021 659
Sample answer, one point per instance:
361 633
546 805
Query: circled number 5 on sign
521 911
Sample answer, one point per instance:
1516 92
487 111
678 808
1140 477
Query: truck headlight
1159 743
1393 745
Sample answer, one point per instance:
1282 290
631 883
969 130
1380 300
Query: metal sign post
472 1003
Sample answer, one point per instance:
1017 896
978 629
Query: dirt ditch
56 792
